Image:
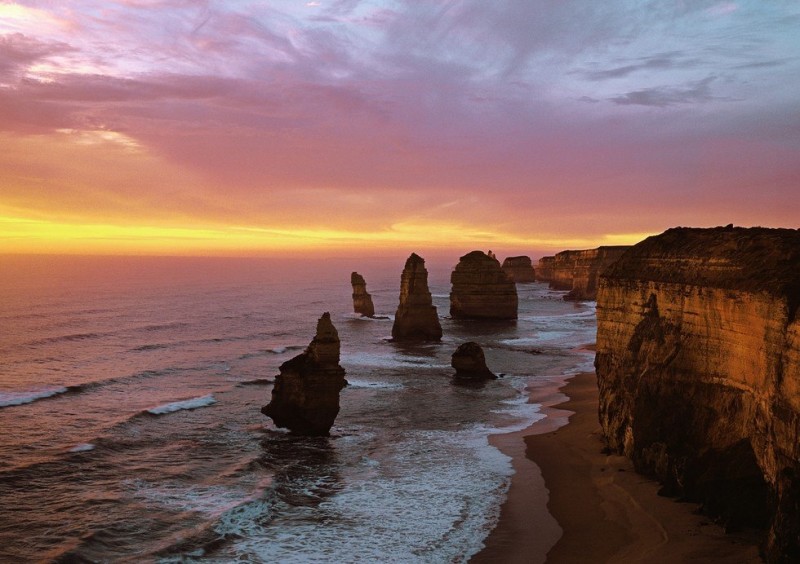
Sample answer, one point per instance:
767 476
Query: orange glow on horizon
32 236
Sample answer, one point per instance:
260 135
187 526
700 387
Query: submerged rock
698 365
362 301
481 290
305 397
470 362
416 318
519 269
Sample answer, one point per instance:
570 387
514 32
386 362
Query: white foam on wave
389 359
10 399
383 511
369 384
83 447
192 403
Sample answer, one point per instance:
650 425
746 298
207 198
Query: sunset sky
252 127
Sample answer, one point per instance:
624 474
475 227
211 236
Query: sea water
130 429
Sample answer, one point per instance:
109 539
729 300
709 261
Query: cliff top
738 258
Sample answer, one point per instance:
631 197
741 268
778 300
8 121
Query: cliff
481 290
305 397
519 269
698 365
579 271
544 269
416 318
362 301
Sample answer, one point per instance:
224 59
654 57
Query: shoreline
598 508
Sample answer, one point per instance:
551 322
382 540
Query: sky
241 127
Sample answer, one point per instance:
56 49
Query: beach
600 509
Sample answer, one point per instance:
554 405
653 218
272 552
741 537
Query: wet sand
600 510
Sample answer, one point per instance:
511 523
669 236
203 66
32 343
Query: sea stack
481 290
519 269
362 301
698 365
305 397
544 269
470 362
416 318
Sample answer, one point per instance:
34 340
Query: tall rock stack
305 397
416 318
362 301
519 269
698 365
481 290
544 269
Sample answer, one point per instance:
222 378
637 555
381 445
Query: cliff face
544 269
579 271
481 290
416 318
698 365
305 397
519 269
362 301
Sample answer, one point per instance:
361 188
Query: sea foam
10 399
192 403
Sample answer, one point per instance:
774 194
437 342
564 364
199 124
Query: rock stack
416 318
362 301
698 365
470 362
481 290
305 397
544 269
519 269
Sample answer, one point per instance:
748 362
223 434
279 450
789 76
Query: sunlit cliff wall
698 365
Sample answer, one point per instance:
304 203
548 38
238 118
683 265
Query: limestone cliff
362 301
579 271
469 362
305 397
544 269
416 318
481 290
519 269
698 365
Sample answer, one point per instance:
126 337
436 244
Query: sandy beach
600 510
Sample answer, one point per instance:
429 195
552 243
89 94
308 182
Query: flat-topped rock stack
416 318
305 396
362 301
544 269
698 365
519 269
481 290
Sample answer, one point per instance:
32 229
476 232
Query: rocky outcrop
579 271
305 397
470 362
362 301
544 269
698 365
519 269
481 290
416 318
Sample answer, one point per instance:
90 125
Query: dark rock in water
519 269
481 290
416 318
305 398
470 362
362 301
698 365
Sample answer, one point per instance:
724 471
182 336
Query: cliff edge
698 366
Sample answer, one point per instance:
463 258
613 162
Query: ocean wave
192 403
11 399
367 384
66 338
83 447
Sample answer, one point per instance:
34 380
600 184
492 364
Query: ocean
130 429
